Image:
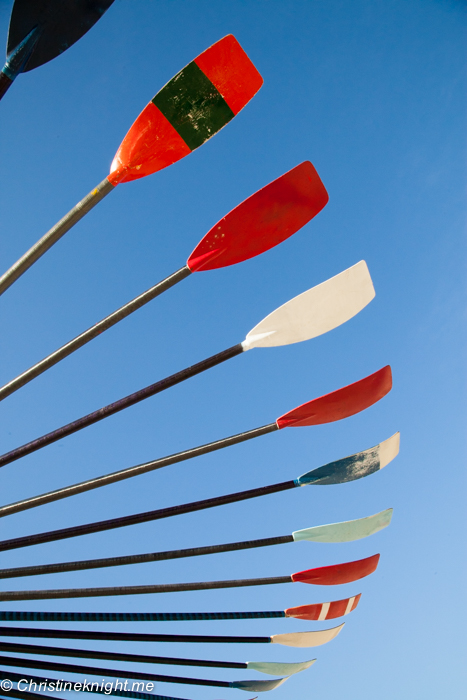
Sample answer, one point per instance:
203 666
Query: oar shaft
31 616
55 233
5 83
74 345
130 472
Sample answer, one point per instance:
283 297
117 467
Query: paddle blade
354 467
192 107
61 23
324 611
258 686
262 221
338 573
306 639
278 669
317 311
347 531
340 404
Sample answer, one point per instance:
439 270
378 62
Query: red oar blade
262 221
338 573
340 404
324 611
193 106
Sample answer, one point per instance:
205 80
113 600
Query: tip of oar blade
342 403
316 311
262 221
279 669
258 686
354 467
324 611
338 573
347 531
306 639
201 99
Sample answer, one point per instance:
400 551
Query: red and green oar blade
192 107
321 576
40 30
262 221
336 532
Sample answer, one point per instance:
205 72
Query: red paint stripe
337 609
356 602
339 573
230 70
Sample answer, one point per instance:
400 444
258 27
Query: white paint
279 669
347 531
349 605
306 639
388 449
316 311
324 611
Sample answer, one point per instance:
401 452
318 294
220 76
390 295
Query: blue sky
373 93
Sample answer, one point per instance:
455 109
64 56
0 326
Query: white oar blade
346 532
258 686
306 639
316 311
279 669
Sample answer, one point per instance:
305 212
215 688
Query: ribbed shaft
148 516
28 616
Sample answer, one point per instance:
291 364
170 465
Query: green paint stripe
193 106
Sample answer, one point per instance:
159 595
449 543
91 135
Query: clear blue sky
373 93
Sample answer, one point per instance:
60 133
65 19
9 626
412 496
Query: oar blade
340 404
347 531
324 611
279 669
306 639
338 573
60 23
262 221
316 311
201 99
354 467
258 686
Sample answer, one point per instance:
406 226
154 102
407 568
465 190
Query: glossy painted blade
317 311
307 639
347 531
60 23
278 669
338 573
262 221
324 611
354 467
193 106
258 686
340 404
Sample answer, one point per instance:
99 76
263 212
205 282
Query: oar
321 576
350 468
40 30
290 639
192 107
308 315
262 221
337 405
336 532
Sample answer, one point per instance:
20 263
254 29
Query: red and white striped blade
338 573
324 611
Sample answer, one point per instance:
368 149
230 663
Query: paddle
321 576
290 639
192 107
306 316
350 468
337 405
336 532
40 30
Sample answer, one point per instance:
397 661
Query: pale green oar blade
346 531
279 669
306 639
258 686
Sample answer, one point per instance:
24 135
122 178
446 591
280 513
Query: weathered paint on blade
306 639
258 686
354 467
262 221
279 669
346 531
317 311
324 611
340 404
338 573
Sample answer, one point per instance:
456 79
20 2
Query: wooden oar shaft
119 405
137 518
54 234
77 343
31 616
130 472
143 559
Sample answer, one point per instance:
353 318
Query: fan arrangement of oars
192 107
